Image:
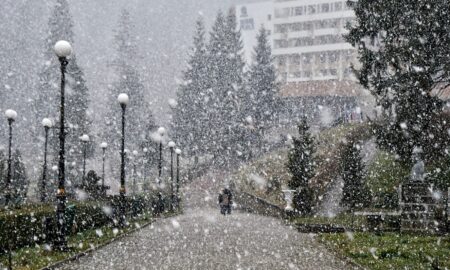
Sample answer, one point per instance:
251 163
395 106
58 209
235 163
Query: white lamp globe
11 115
178 151
84 138
123 99
47 123
145 150
161 131
171 144
135 153
103 145
63 48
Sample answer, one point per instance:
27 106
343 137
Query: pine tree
403 50
262 87
301 161
138 113
19 181
355 192
301 164
77 94
190 116
225 66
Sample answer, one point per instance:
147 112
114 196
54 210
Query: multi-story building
307 40
312 59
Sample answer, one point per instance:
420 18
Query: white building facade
306 37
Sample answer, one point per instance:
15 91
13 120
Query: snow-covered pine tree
301 164
225 66
403 50
190 115
139 116
355 193
261 88
19 180
48 95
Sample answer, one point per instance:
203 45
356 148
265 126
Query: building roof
321 88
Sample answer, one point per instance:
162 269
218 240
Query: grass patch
39 256
391 250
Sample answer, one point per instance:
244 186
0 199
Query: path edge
91 250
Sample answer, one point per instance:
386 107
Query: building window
247 24
269 17
311 9
244 12
333 72
307 74
282 13
281 60
307 59
296 60
281 28
322 58
298 11
325 7
338 6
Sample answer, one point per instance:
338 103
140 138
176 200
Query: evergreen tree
262 87
19 181
77 94
190 114
3 186
355 192
225 66
403 50
138 113
301 165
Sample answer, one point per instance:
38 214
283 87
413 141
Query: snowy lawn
391 250
41 255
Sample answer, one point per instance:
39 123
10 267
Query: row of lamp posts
63 50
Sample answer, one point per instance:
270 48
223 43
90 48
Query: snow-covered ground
201 238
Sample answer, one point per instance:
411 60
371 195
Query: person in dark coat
225 201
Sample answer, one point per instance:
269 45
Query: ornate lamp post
103 146
178 152
171 145
161 132
11 115
85 140
123 101
47 123
63 49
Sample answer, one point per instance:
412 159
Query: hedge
27 226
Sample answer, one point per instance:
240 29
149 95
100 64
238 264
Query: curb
90 250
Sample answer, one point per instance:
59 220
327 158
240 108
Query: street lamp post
47 123
135 159
123 101
11 116
172 195
63 49
178 152
85 140
103 146
161 132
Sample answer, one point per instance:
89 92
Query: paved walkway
203 239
